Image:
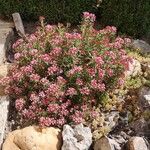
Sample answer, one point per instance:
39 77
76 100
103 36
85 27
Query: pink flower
101 73
73 51
77 117
117 45
52 89
79 81
28 114
56 51
85 91
17 56
120 82
61 121
94 83
34 77
71 92
84 108
19 104
42 94
61 80
110 72
89 16
119 40
49 28
27 69
73 36
53 69
34 98
101 87
46 121
45 57
33 62
76 69
94 114
111 29
127 40
17 43
33 52
53 107
99 60
44 81
32 38
91 72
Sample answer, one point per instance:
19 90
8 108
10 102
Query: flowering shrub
58 75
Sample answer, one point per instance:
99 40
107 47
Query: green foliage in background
131 17
53 10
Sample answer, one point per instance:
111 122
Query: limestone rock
106 143
141 127
4 103
9 142
3 73
79 138
134 68
144 97
141 45
34 138
137 143
112 119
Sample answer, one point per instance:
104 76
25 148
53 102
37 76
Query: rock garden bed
77 90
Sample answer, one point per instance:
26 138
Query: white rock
79 138
141 45
6 35
112 119
144 97
3 73
137 143
4 103
106 143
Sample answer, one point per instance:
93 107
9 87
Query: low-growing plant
57 75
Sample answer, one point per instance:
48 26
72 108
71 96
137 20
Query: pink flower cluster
58 75
89 16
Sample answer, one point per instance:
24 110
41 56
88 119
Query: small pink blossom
17 56
49 27
101 87
99 60
61 80
101 73
56 51
73 51
19 104
89 16
33 52
85 91
52 70
120 82
71 92
79 81
42 94
35 77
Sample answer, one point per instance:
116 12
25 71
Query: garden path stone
6 36
4 103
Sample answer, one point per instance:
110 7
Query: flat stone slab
6 35
4 103
6 24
